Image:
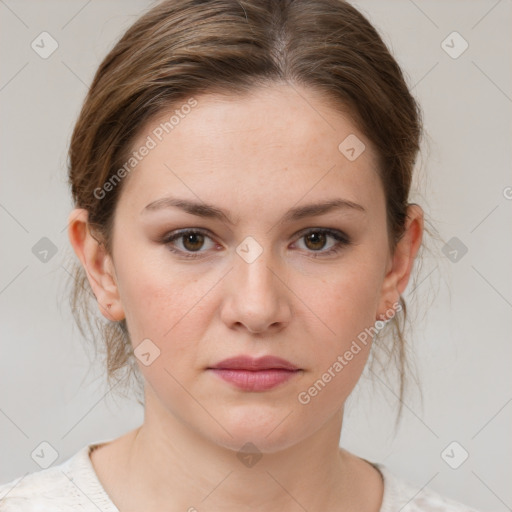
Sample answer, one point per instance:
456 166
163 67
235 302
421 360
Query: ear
97 264
401 263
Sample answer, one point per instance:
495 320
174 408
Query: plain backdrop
463 297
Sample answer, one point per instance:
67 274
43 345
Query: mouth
251 374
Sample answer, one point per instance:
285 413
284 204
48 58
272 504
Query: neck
179 469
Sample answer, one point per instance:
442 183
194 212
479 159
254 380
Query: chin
269 431
256 442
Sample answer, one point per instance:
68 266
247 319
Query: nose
256 298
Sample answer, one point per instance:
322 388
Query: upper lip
250 363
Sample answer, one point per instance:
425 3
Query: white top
74 485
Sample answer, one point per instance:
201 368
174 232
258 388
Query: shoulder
67 486
46 488
399 494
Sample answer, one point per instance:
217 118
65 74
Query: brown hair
181 48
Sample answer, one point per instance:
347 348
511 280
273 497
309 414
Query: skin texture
255 156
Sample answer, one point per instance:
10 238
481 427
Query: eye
316 239
191 241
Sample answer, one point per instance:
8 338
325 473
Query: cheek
147 295
165 306
346 303
150 297
347 306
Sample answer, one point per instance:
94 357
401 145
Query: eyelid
330 231
341 238
177 233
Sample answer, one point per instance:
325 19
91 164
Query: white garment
74 485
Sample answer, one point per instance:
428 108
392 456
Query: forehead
273 145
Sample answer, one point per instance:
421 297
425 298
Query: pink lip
254 364
250 374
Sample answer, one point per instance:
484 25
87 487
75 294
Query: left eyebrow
294 214
312 210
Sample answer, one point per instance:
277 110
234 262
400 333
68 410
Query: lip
255 364
255 374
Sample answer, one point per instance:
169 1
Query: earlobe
96 263
402 261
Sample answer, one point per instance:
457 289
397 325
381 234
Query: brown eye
189 243
315 240
193 241
323 242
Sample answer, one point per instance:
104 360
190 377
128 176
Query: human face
304 298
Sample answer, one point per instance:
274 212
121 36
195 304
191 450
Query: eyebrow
213 212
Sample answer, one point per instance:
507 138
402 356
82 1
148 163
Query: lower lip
260 380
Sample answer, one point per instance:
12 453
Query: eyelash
342 241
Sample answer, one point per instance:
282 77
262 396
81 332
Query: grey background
48 390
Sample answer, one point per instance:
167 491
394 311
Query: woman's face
262 278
